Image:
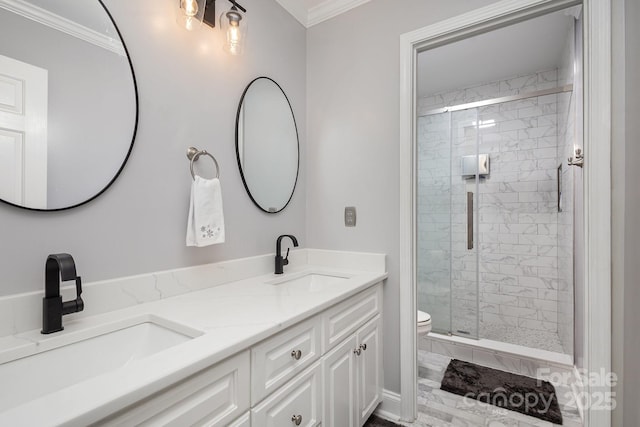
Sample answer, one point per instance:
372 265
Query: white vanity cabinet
340 389
325 370
353 368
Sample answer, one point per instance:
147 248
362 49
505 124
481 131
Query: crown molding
325 10
297 8
59 23
331 8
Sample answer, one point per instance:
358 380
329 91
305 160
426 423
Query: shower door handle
469 220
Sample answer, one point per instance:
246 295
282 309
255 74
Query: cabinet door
369 363
340 399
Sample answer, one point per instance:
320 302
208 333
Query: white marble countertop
232 317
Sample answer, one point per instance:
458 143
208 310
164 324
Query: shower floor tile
542 340
439 408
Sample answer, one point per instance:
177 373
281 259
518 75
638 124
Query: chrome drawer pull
296 419
296 354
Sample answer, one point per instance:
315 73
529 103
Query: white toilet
424 323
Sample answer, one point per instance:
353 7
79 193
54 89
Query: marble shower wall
517 205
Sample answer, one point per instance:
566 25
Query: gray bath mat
528 396
374 421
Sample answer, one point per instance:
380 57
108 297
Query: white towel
206 220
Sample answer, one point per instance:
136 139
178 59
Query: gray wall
626 210
189 89
353 97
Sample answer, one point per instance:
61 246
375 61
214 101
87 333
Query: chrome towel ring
194 154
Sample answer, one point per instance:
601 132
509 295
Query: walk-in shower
495 204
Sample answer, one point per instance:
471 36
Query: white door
369 369
23 133
340 400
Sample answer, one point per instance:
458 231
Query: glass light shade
233 24
190 13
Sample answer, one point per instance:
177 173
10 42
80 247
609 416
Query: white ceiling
523 48
312 12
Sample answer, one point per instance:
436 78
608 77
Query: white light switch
350 216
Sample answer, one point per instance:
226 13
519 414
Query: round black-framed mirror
80 83
267 145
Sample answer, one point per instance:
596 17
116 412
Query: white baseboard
390 407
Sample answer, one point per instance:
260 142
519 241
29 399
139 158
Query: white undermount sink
95 352
308 281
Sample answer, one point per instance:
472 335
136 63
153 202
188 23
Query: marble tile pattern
23 312
515 85
516 252
439 408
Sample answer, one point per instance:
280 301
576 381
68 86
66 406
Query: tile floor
439 408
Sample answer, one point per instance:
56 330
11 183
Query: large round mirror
68 102
267 145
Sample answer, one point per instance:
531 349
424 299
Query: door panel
23 133
369 369
340 400
11 162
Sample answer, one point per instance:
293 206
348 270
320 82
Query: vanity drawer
278 359
213 397
345 318
301 398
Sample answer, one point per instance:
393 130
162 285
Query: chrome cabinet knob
363 347
296 419
296 354
357 351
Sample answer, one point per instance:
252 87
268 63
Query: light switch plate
350 216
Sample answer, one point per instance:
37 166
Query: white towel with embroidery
206 220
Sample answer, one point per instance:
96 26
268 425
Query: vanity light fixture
191 13
234 25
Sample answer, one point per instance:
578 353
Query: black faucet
57 266
281 262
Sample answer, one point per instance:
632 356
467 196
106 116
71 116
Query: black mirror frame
295 124
133 136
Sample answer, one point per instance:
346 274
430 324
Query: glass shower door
433 219
447 257
464 222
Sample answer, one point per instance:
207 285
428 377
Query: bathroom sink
308 282
100 352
